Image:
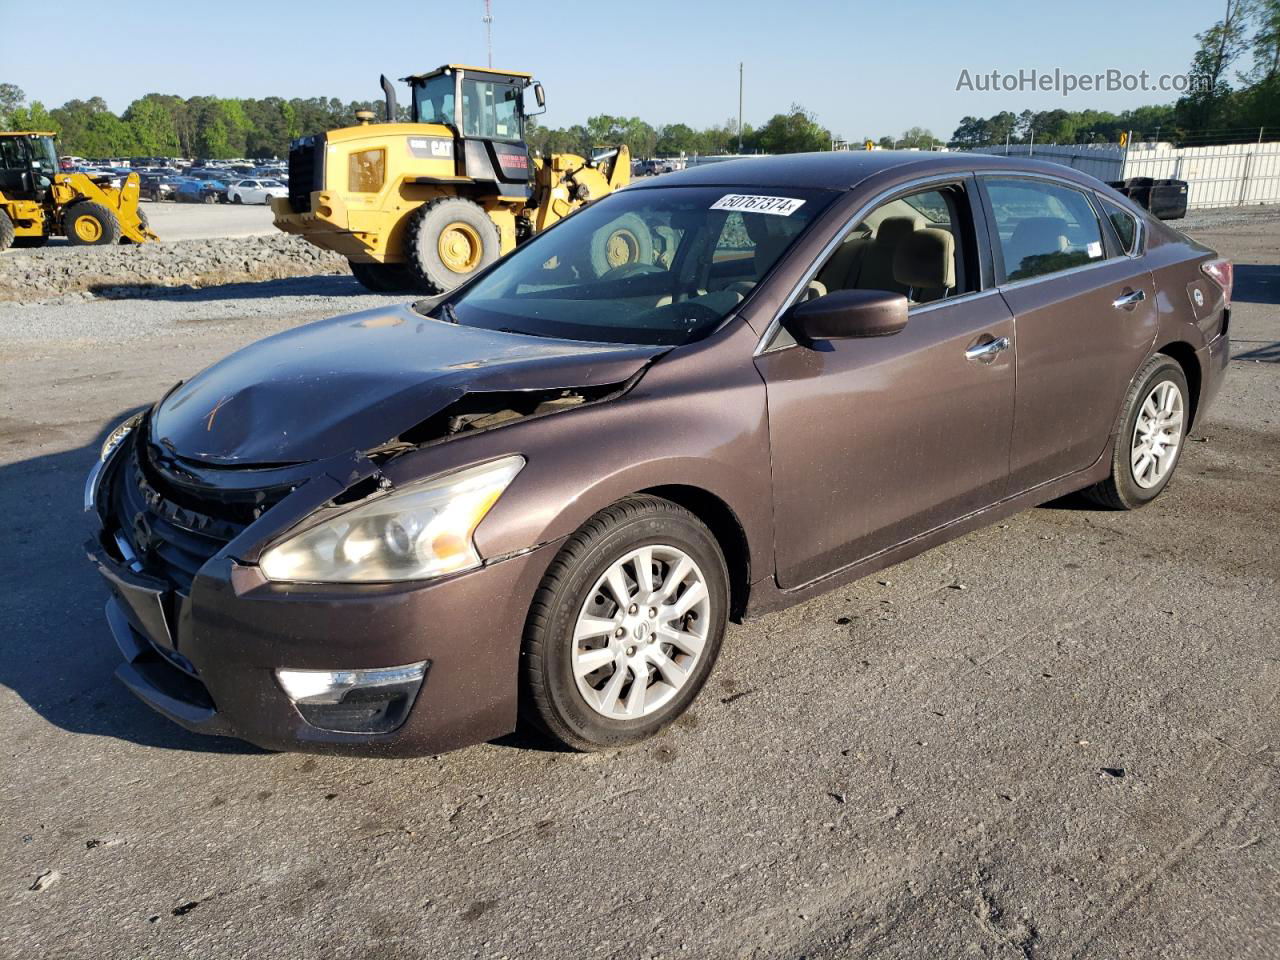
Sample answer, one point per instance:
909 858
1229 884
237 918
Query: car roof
840 170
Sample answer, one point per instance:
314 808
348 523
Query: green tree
151 127
1266 42
676 138
11 99
796 131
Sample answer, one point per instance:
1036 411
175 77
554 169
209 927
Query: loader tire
89 224
383 277
448 241
6 231
623 242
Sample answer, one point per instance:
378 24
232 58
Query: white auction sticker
749 203
1095 250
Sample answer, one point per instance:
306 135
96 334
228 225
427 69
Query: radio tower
487 20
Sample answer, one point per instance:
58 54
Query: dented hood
356 381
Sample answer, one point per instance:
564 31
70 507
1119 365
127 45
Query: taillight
1222 273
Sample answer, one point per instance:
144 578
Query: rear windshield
652 266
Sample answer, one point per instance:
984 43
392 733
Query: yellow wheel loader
38 202
426 204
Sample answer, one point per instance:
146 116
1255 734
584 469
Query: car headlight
425 530
115 437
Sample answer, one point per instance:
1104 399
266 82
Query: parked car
195 190
381 533
157 187
256 191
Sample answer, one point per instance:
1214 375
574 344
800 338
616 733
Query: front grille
171 540
306 171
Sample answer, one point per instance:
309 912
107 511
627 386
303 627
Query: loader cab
486 111
28 162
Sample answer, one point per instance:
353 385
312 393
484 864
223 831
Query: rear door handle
986 352
1129 299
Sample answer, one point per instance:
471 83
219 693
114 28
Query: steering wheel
627 270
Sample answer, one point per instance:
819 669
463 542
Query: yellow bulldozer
427 203
37 201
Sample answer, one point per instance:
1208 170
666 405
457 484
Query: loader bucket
123 203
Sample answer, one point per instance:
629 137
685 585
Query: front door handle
986 352
1127 300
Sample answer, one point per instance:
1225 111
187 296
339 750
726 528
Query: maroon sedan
703 397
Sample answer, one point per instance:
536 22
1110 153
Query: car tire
448 241
585 648
235 198
1149 440
88 224
383 277
6 231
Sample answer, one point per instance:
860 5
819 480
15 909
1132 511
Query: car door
1085 314
876 441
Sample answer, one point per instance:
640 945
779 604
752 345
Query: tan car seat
925 264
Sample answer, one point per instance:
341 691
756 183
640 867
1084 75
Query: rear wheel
1149 441
235 198
625 626
6 231
449 240
89 224
383 277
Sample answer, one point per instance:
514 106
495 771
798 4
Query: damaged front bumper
205 640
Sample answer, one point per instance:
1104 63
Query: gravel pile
122 271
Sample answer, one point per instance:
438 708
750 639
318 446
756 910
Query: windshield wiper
447 313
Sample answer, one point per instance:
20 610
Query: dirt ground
1055 737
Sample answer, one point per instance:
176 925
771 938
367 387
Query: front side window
11 156
1043 227
490 110
920 245
650 266
1125 223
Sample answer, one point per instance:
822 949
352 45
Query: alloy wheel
1157 435
641 632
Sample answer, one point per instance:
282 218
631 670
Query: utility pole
740 106
487 20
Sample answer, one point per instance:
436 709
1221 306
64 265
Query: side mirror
539 94
846 314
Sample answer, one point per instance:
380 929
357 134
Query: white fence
1225 176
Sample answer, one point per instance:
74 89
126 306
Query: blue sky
863 67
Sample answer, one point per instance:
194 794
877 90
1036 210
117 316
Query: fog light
354 701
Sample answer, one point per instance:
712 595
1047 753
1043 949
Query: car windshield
650 266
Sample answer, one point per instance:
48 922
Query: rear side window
1043 227
1125 223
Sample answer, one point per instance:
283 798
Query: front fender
697 418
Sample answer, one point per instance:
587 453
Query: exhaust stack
390 93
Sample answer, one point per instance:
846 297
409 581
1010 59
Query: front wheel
625 626
236 198
1149 440
89 224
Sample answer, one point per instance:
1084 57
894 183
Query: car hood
354 382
